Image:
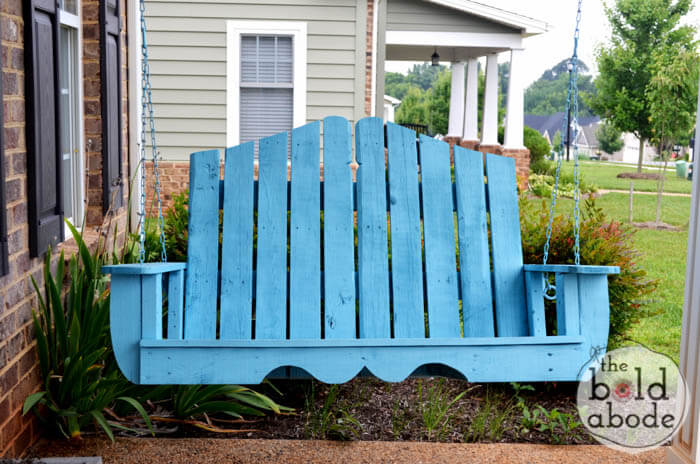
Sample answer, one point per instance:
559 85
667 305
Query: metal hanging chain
572 96
147 109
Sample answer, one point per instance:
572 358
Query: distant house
230 71
587 140
390 105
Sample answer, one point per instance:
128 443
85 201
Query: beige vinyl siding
187 51
419 15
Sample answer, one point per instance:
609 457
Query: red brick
9 83
7 381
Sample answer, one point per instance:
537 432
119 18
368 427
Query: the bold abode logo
632 398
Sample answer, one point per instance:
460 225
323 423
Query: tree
639 27
672 93
609 138
548 94
556 140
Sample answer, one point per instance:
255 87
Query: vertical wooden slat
508 280
373 266
237 244
567 304
404 207
338 237
534 286
474 263
202 246
152 307
305 234
271 280
439 237
176 286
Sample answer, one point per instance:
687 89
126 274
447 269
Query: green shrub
80 378
603 242
544 167
542 185
536 143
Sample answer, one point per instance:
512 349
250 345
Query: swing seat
410 269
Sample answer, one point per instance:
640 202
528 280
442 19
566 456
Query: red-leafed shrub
603 242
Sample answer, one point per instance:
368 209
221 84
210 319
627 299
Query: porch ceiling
424 52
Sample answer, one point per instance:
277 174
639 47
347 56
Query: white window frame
234 31
78 175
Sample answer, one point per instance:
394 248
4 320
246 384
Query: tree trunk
660 187
641 154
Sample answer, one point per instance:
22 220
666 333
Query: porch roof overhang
451 46
528 26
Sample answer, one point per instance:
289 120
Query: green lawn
663 256
604 176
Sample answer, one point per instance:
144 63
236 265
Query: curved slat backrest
399 277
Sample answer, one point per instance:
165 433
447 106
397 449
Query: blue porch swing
330 276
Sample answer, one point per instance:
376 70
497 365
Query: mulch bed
638 175
369 409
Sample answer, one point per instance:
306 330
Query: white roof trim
392 100
529 26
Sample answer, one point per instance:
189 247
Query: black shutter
44 161
111 95
4 265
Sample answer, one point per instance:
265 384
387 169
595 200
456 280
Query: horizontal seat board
478 361
289 189
366 342
571 269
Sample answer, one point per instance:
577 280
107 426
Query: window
70 108
266 78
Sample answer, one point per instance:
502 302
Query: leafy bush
536 143
79 374
542 185
544 167
603 242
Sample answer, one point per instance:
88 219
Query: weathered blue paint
176 289
507 252
271 282
474 260
439 236
305 234
191 353
237 243
406 256
201 285
338 236
372 258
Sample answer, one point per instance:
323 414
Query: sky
544 51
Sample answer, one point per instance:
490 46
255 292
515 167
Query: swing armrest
143 269
571 269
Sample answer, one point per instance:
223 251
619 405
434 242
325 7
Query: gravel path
666 194
242 451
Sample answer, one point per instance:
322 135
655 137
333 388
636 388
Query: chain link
147 112
572 96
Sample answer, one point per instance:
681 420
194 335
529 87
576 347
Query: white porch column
470 130
515 105
456 101
489 125
685 449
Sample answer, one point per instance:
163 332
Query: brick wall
19 374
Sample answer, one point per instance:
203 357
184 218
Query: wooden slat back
373 269
202 258
406 256
507 253
439 236
338 237
271 268
305 234
474 264
237 244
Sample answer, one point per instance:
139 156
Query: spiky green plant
80 378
